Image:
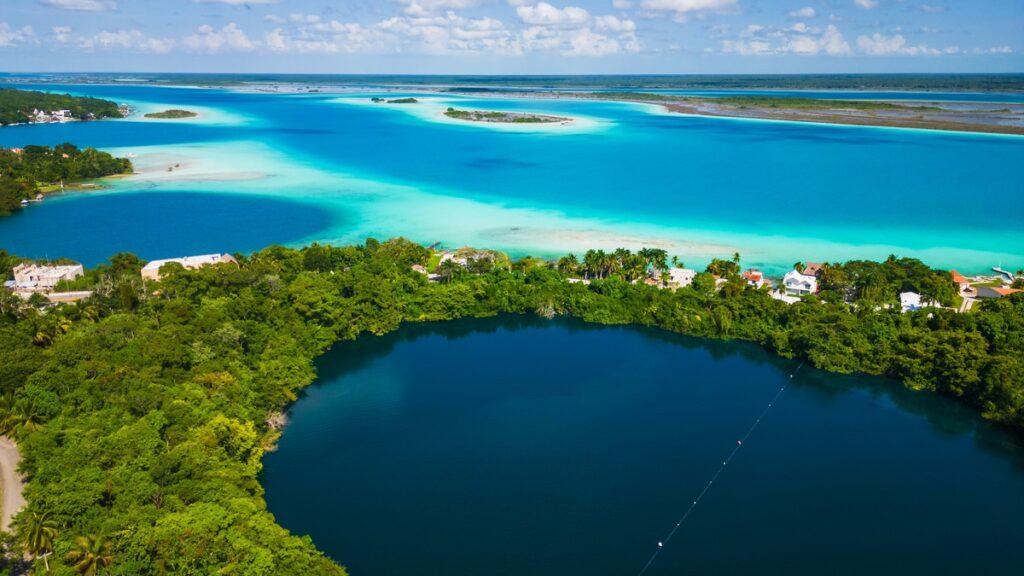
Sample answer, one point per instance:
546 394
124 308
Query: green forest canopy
16 105
24 173
142 414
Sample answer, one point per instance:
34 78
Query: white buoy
660 544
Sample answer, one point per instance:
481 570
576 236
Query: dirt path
13 501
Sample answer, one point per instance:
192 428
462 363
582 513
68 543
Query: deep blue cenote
514 446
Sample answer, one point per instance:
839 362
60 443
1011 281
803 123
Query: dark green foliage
142 413
173 113
17 105
23 174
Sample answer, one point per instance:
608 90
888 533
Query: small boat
24 202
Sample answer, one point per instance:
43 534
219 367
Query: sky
512 36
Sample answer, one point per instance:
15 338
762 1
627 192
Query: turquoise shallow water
627 175
441 449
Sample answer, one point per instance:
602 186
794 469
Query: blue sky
513 36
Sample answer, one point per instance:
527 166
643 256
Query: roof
1006 291
190 261
812 268
958 277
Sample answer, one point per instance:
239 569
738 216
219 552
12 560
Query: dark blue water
520 446
154 225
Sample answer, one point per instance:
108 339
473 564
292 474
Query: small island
395 101
172 114
32 107
504 117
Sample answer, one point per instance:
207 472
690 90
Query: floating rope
739 444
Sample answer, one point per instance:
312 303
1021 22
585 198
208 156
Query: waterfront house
960 280
797 283
813 269
151 271
995 292
756 278
30 277
681 277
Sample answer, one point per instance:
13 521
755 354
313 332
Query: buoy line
732 454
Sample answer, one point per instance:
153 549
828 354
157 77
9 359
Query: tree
90 554
39 532
568 265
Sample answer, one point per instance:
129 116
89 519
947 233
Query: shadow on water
944 416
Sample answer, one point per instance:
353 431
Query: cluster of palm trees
87 557
622 262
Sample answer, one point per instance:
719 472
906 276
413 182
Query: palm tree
568 265
676 263
90 554
39 532
449 269
736 257
798 266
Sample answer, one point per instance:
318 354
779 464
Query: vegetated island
394 101
31 107
172 114
964 117
26 174
504 117
143 411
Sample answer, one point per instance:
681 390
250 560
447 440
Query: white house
756 278
910 301
151 271
681 277
799 284
29 277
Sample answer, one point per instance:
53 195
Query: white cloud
10 37
682 9
586 42
86 5
236 2
622 4
128 40
230 37
931 8
62 34
806 12
544 14
866 4
428 7
882 45
1000 50
798 39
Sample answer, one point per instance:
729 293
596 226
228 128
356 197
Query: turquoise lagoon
623 175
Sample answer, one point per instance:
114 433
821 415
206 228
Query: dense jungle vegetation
36 169
16 106
143 412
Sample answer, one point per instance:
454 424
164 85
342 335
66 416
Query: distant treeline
943 82
16 106
29 171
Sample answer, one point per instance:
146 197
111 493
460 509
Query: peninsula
32 107
26 174
963 117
